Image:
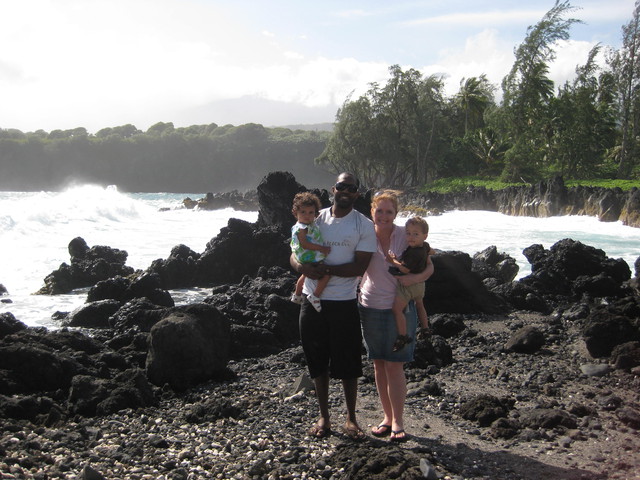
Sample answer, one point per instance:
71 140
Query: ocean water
35 230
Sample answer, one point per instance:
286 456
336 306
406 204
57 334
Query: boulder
90 396
603 330
485 409
275 197
138 314
490 263
626 355
522 297
446 325
455 288
34 369
241 249
262 317
92 315
569 270
432 350
188 347
38 409
526 340
546 418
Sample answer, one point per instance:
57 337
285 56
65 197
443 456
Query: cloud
494 18
484 53
353 13
98 63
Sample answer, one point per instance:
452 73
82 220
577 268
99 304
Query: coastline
527 379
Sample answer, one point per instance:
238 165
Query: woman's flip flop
381 430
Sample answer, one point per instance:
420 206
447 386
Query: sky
103 63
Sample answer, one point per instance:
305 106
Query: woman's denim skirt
379 332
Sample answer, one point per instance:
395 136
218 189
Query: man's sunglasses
349 187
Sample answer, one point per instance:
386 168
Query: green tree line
409 133
199 158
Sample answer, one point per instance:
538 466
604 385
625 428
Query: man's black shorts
332 339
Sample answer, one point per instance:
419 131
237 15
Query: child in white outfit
306 244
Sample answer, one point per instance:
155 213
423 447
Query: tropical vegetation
196 159
407 133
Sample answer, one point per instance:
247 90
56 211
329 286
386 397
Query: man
332 339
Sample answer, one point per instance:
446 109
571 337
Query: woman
377 292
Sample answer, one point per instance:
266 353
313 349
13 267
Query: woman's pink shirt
377 277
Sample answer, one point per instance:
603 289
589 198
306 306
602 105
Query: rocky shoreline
528 379
544 199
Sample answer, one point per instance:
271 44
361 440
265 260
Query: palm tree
474 97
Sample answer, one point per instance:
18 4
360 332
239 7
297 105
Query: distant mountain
318 127
253 109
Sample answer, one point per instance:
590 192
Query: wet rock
233 199
87 267
490 263
9 324
147 285
139 314
92 315
178 270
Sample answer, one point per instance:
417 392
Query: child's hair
420 223
305 199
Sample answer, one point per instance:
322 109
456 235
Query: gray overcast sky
103 63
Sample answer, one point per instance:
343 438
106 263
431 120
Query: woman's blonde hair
382 195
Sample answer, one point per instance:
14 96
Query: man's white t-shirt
346 235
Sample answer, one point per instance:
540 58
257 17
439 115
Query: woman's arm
412 278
